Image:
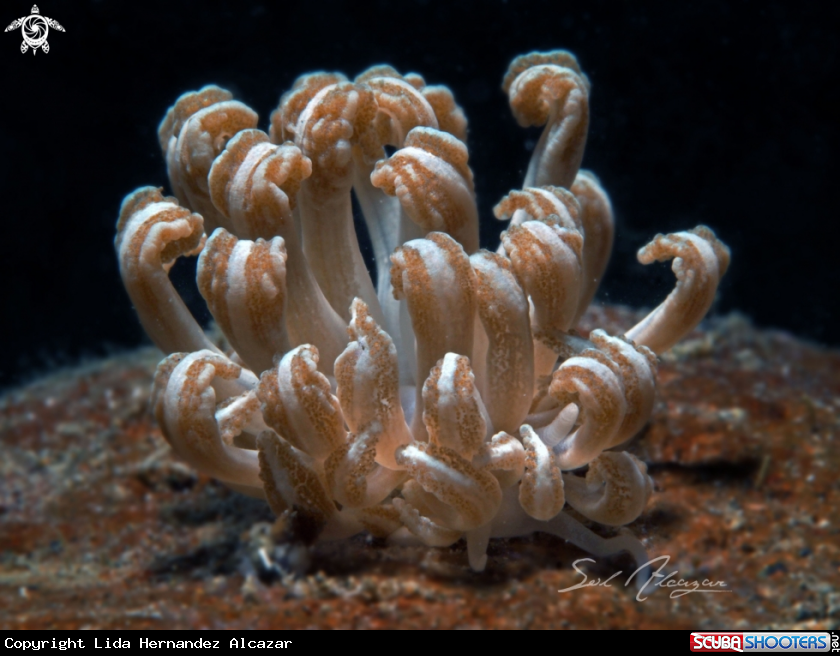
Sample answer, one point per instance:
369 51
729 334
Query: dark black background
724 113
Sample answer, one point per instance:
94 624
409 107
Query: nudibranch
446 395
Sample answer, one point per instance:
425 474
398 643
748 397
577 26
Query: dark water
723 114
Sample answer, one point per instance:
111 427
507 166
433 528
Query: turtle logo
34 29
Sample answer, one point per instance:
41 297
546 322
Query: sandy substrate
100 527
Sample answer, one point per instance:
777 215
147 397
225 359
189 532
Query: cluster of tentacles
452 398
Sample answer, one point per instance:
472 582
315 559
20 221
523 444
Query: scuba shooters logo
34 29
755 641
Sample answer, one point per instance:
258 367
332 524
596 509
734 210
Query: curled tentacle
152 232
596 217
541 490
185 406
700 260
400 108
193 133
244 284
338 119
434 276
592 385
431 533
284 119
615 491
454 414
352 474
504 457
549 89
546 259
507 377
291 480
540 203
368 385
637 365
468 497
450 116
434 184
254 184
298 404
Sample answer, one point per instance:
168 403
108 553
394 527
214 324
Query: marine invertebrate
452 399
